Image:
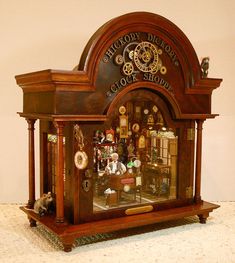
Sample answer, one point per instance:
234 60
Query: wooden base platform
68 232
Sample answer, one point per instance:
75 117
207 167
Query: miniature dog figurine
43 204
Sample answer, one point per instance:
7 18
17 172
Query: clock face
146 57
122 110
80 160
135 127
137 163
146 111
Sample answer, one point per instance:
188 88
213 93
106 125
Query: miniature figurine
43 204
205 66
115 166
99 137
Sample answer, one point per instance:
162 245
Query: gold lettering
116 45
151 37
122 41
137 36
109 53
129 79
163 44
167 49
123 82
127 38
114 88
134 79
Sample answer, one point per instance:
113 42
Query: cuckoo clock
121 134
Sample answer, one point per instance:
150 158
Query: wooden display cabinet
138 93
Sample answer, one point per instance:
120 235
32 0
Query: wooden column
59 173
197 197
31 157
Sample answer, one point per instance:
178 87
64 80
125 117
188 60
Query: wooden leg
203 218
68 243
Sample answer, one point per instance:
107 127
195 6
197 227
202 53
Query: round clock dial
137 163
146 57
146 111
81 160
122 110
135 127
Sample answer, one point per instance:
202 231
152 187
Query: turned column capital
200 124
31 123
59 125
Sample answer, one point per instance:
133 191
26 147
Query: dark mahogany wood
68 233
31 163
198 162
90 96
60 173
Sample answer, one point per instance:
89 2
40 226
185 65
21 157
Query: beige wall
36 35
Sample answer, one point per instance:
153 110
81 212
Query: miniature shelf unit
121 134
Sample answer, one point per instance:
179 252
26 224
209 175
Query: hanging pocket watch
80 157
80 160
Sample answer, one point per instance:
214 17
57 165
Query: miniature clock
81 160
135 127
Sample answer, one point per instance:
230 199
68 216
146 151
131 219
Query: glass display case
146 165
121 133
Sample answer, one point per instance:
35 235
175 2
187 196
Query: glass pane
135 161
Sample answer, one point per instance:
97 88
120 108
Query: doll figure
115 166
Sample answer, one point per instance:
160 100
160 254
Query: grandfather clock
121 134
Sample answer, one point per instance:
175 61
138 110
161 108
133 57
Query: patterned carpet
185 241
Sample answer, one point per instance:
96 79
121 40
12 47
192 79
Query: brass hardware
139 210
128 68
190 134
80 157
86 185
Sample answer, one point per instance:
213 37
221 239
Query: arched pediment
116 34
114 59
139 49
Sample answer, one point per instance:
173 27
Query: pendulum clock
121 134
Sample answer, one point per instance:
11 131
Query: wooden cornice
99 118
63 117
54 80
204 86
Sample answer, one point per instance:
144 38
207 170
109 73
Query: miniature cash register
138 93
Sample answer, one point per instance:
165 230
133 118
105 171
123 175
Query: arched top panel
139 27
145 47
135 50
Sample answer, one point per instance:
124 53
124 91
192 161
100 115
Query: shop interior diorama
121 133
